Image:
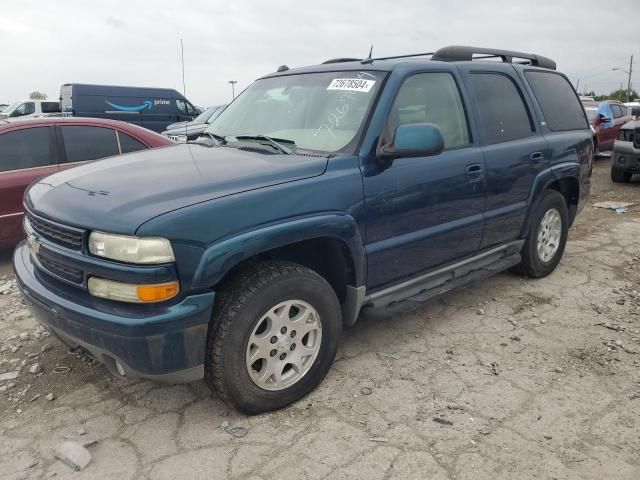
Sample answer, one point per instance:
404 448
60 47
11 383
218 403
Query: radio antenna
369 59
184 89
184 86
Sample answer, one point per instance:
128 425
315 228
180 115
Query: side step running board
447 278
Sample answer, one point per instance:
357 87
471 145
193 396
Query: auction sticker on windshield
351 84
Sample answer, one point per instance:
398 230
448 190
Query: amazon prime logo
146 105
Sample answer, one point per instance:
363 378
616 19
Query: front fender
545 178
220 257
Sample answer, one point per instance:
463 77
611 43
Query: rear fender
545 178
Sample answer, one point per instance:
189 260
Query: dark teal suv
318 192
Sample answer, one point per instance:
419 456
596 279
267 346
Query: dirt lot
510 378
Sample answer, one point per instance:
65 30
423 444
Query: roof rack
458 53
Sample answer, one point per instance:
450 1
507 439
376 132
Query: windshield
316 111
8 108
204 116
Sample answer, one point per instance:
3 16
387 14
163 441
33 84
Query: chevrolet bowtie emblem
33 243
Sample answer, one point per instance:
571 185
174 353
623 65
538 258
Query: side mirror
635 111
413 140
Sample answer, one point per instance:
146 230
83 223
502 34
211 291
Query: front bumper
160 342
627 159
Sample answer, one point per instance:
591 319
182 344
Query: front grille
63 271
65 236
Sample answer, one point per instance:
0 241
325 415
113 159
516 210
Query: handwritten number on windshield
335 117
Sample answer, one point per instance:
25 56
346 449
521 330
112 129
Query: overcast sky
45 43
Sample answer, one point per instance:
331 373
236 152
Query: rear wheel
273 337
544 245
619 175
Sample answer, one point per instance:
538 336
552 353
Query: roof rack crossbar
458 53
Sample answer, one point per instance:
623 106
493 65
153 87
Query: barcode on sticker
351 84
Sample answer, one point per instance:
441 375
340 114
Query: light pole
628 72
233 88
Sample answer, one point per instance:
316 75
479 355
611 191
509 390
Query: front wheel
544 245
273 336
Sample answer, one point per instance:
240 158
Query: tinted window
27 148
503 115
557 99
432 98
88 143
129 144
50 107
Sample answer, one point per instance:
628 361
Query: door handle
536 157
474 172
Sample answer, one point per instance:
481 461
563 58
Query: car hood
177 125
188 129
121 193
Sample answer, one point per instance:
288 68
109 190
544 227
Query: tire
240 317
619 175
533 263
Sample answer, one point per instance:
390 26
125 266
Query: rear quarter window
558 101
129 144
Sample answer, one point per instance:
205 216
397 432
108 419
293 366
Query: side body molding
222 256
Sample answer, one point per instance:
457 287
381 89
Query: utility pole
629 81
578 87
233 88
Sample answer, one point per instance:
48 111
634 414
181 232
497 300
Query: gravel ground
510 378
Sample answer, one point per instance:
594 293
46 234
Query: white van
31 108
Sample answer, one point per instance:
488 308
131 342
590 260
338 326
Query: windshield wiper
275 143
218 138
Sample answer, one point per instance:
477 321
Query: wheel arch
563 178
329 244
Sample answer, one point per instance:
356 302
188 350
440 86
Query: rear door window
88 143
558 101
503 114
26 148
129 144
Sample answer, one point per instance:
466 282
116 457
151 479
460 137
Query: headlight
129 292
149 250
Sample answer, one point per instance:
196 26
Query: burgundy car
607 118
33 148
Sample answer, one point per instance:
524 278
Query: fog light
621 159
133 293
120 369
